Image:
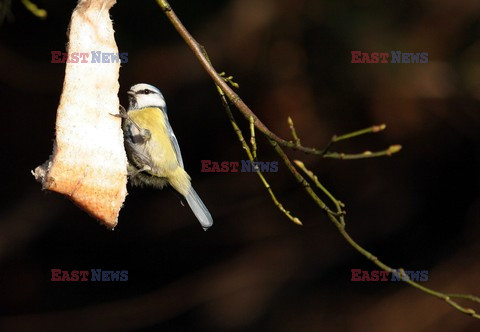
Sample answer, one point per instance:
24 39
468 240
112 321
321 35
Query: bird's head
145 95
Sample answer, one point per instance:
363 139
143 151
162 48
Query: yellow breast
160 149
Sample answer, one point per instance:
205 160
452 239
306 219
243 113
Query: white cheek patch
153 100
160 102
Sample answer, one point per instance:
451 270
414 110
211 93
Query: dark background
254 269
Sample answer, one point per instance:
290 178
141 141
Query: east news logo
84 57
396 275
85 275
233 166
382 57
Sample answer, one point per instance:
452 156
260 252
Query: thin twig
296 140
465 296
249 153
364 155
369 130
33 8
253 141
304 183
338 204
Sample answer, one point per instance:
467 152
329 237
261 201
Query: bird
152 148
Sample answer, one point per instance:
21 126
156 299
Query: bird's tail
199 209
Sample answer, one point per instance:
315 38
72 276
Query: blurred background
254 269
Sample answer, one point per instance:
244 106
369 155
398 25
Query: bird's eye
146 91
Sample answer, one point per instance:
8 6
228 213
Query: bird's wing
174 141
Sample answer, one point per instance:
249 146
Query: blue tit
152 148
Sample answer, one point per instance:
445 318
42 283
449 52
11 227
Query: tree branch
337 216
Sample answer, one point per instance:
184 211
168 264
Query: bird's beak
130 93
